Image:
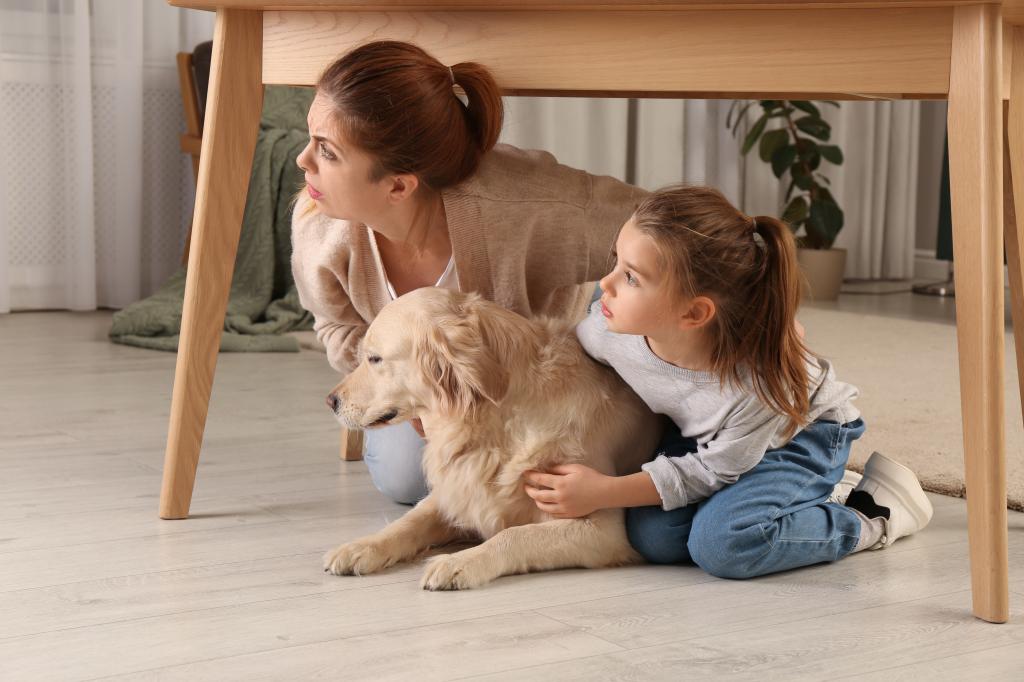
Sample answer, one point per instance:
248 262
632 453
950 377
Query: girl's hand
569 491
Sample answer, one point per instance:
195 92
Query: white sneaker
844 487
891 491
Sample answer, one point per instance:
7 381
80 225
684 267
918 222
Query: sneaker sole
901 482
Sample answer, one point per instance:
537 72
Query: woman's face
338 175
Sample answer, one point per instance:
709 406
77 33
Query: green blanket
263 303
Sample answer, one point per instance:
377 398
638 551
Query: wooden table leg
229 140
975 154
1013 228
351 445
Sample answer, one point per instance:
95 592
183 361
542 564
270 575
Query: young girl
698 317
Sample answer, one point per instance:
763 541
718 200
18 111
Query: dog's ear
459 364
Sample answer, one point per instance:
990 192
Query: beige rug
908 377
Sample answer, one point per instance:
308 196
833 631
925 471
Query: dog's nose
332 402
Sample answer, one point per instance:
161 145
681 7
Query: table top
1013 10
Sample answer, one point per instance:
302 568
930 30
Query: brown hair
398 103
747 266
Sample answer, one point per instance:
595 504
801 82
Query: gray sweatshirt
732 427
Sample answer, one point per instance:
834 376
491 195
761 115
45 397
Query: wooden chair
193 76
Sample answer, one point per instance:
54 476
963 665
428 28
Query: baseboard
928 267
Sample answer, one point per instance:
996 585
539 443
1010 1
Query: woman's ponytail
484 110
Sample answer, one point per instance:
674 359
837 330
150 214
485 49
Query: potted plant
812 213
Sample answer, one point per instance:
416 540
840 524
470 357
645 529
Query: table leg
351 445
1013 226
234 102
975 152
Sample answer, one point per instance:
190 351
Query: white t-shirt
449 278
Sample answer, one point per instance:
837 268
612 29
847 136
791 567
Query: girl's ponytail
777 354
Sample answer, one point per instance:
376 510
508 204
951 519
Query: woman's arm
341 341
337 324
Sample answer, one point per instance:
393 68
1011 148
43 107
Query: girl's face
636 298
338 173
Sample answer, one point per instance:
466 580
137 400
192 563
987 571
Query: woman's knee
659 536
402 489
400 478
394 457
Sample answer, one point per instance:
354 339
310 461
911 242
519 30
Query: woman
406 188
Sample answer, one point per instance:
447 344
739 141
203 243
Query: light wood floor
94 585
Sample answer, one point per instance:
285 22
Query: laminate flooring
93 585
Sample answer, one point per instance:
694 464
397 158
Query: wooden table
960 50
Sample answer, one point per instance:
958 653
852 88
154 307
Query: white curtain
96 194
879 185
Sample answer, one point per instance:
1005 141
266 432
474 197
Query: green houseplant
796 147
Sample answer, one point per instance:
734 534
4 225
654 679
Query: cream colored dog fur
497 394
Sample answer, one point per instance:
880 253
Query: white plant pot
823 272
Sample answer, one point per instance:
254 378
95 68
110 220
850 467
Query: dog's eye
373 359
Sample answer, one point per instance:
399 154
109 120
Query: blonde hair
747 266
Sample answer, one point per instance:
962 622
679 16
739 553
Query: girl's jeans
773 518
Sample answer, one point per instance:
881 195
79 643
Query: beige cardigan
526 232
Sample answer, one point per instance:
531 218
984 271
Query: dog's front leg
592 542
419 529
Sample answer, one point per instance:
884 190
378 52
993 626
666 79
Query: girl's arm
574 490
632 490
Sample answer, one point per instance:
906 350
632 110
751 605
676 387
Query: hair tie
452 74
755 235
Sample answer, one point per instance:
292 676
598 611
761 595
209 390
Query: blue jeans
394 456
773 518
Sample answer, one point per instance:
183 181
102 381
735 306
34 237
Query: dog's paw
455 572
357 558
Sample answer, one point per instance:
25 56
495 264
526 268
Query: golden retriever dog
497 394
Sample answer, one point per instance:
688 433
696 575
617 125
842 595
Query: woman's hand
569 491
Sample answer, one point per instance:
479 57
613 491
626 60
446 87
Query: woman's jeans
773 518
394 456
